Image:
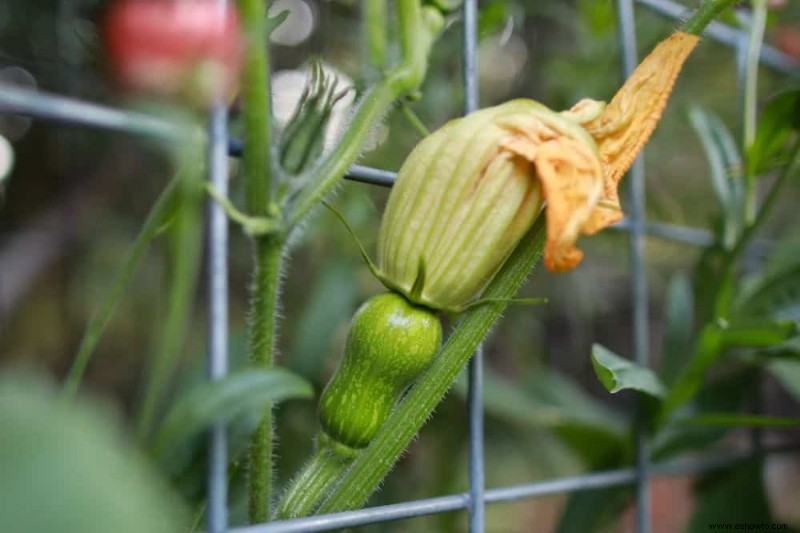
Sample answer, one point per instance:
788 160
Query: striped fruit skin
390 342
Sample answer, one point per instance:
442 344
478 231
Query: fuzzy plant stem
267 250
315 480
705 14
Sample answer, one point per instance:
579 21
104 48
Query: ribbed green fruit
391 341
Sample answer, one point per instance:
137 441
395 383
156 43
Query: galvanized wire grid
55 108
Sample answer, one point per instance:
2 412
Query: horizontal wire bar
726 35
47 106
456 502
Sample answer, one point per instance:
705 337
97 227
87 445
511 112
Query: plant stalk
704 15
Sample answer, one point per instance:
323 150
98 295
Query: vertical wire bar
636 182
477 503
217 261
217 364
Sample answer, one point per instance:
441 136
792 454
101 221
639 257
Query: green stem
706 13
375 22
256 105
185 256
375 461
158 216
723 299
413 119
316 479
754 42
416 37
261 347
267 250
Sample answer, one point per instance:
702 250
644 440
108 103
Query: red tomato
188 48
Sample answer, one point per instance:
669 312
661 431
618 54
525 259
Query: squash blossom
467 193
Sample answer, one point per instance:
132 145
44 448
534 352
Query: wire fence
14 100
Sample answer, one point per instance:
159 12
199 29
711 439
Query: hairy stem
315 480
261 346
705 14
267 250
256 105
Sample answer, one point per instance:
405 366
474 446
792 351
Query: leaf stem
723 299
375 25
185 259
157 217
754 42
375 461
704 15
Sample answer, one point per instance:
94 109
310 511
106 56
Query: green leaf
757 333
776 295
67 467
788 374
725 166
730 496
594 510
617 373
221 401
740 420
493 17
725 393
680 326
555 403
780 116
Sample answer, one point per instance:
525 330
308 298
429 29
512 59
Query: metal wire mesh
55 108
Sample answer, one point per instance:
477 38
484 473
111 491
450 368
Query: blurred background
75 199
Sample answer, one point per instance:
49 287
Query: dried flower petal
623 127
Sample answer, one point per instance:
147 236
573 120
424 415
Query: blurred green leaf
65 467
332 300
734 495
757 333
777 295
725 393
163 211
779 117
740 420
594 510
788 374
617 373
680 326
725 166
554 403
223 400
493 17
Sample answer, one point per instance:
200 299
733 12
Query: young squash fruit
391 341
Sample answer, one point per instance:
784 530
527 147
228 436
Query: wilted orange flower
468 193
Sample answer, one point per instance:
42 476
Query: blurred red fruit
190 48
787 39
